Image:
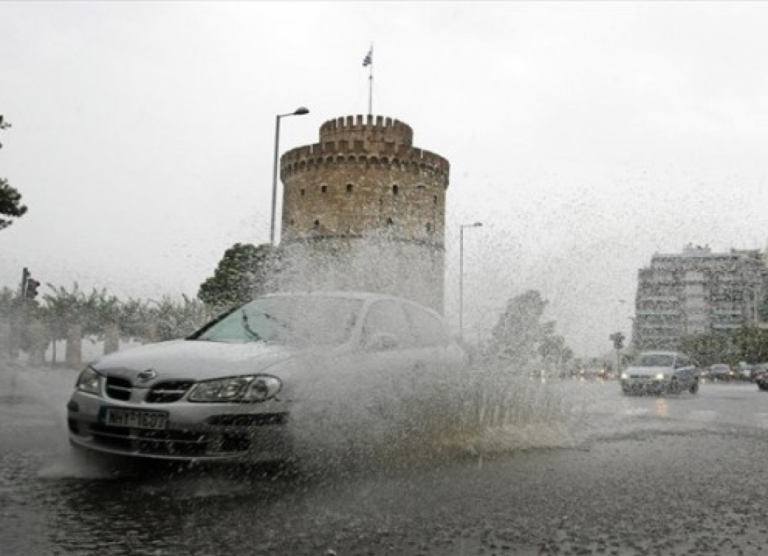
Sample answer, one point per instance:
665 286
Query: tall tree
173 320
521 339
10 198
10 204
243 273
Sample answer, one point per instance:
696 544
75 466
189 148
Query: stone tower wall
363 184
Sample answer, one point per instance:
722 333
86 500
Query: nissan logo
146 376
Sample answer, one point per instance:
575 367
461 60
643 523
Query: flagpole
370 90
369 59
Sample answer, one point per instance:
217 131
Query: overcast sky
585 136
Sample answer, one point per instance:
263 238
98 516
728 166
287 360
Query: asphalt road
616 475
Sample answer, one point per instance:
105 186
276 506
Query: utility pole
25 274
618 342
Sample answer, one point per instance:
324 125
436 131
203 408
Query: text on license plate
135 419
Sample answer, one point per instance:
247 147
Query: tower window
395 190
350 187
323 189
389 222
317 224
435 199
429 227
301 192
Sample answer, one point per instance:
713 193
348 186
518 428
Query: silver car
281 369
658 372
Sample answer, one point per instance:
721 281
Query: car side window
428 329
387 317
682 361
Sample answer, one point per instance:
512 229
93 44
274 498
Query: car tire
694 389
674 387
763 387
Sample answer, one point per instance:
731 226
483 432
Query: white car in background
280 368
660 372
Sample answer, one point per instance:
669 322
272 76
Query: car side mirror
381 341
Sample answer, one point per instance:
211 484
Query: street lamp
461 274
298 112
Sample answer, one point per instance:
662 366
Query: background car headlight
624 375
661 376
88 381
252 388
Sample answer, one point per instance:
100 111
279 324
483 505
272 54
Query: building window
429 227
323 189
317 224
301 192
349 188
395 190
435 199
389 222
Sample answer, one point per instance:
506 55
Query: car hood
192 360
648 371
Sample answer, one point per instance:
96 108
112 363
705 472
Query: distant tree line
31 325
746 344
10 198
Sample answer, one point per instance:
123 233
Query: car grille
119 388
167 392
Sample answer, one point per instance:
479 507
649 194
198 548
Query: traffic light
618 340
30 292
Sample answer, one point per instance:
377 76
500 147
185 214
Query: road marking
637 411
706 415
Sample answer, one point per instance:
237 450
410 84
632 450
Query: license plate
135 419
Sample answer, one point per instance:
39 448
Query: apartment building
697 292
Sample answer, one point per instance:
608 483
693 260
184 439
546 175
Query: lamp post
298 112
461 274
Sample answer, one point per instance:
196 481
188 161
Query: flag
368 60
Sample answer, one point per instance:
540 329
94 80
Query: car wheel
674 387
763 387
694 389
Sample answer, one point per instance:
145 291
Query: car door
685 371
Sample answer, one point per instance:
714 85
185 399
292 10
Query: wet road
679 475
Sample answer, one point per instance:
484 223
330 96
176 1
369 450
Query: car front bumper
645 385
193 431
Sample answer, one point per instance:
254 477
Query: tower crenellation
370 129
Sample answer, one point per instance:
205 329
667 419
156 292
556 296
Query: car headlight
661 376
624 375
237 389
89 381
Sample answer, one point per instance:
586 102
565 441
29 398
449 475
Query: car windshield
306 320
654 360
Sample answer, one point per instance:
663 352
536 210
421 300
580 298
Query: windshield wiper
247 327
